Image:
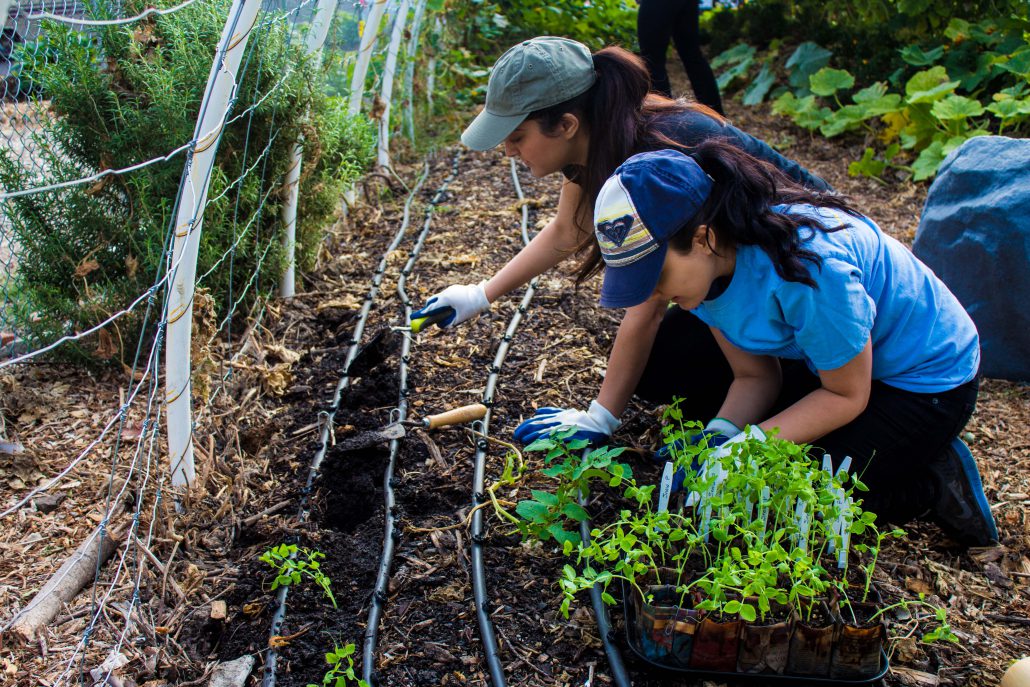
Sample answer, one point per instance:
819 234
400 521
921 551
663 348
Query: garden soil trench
429 634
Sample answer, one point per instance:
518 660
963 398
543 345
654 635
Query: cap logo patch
621 236
616 229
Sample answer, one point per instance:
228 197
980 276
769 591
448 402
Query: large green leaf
561 535
957 107
928 161
736 54
917 57
1009 108
813 118
846 118
882 105
533 511
828 81
921 127
737 70
1018 63
757 90
870 92
805 61
868 166
929 85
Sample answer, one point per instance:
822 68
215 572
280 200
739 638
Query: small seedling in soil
546 515
942 630
291 564
341 668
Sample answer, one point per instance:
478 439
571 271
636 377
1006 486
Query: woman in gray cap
560 108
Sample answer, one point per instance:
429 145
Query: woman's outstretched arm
555 242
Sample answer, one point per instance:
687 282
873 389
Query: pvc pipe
431 67
221 86
368 41
5 7
317 32
409 71
386 93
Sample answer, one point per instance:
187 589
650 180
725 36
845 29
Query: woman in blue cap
830 330
560 108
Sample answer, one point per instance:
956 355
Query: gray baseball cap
531 76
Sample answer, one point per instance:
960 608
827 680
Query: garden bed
264 436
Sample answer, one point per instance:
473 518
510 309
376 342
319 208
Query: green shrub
133 94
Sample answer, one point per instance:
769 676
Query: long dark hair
739 209
620 115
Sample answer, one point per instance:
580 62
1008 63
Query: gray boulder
975 235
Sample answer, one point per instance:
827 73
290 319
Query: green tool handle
420 323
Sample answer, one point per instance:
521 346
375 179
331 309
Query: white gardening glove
455 304
595 425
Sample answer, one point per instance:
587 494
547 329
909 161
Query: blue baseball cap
648 200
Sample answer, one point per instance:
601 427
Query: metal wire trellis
134 463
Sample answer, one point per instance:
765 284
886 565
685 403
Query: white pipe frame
5 7
409 70
431 67
317 32
368 41
221 87
386 92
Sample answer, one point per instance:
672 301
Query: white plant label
665 490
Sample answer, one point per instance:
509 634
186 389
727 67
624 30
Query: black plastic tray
630 621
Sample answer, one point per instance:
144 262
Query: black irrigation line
391 535
328 417
486 628
604 625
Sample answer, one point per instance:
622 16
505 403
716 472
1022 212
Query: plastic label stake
763 510
802 518
665 490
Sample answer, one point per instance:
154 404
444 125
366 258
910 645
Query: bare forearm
748 399
815 415
546 250
629 355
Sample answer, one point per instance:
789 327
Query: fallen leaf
918 586
85 267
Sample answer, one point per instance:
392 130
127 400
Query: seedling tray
631 622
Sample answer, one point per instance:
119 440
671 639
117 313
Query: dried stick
76 572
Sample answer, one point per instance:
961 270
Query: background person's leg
893 442
688 44
655 20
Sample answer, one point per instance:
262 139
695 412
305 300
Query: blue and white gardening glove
465 301
595 425
717 432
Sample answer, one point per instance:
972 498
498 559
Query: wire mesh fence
113 231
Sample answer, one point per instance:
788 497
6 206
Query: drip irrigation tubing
604 625
391 535
328 417
479 592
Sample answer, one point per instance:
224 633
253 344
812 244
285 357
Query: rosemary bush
132 94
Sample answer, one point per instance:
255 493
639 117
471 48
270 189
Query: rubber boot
961 508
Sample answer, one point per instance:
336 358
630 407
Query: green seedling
291 564
341 668
942 630
546 515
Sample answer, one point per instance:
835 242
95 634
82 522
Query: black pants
890 443
657 22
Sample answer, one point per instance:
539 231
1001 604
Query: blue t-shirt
869 286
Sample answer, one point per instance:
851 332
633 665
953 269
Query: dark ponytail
618 113
739 210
